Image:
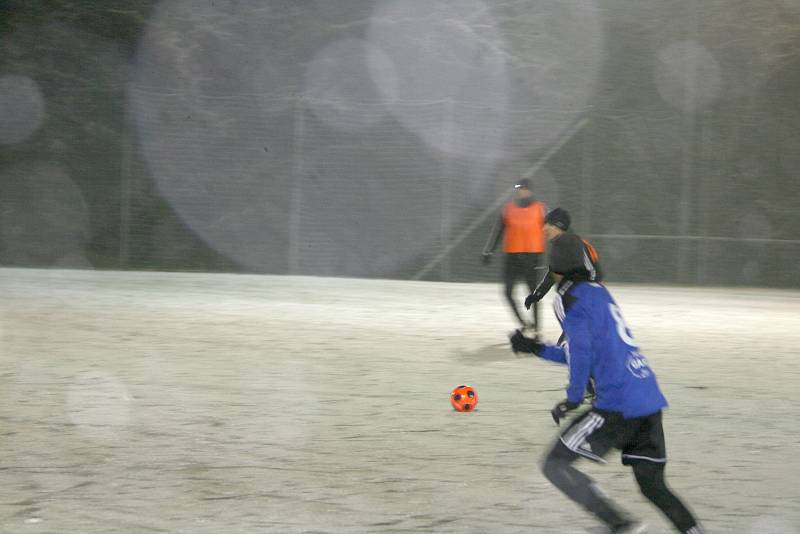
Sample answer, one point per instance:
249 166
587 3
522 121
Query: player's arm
494 237
541 290
554 353
532 345
576 327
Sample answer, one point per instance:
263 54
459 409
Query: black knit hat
559 218
567 255
523 183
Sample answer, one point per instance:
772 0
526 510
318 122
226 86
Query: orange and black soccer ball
464 399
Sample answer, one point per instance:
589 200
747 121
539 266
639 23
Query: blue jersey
599 345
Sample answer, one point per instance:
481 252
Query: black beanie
567 255
559 218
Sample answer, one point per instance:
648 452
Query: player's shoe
631 528
628 528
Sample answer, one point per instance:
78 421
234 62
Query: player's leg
511 273
557 467
647 455
650 477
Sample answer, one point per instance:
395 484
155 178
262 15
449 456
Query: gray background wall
377 139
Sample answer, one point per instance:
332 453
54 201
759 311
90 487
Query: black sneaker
631 528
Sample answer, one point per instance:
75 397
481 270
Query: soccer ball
464 398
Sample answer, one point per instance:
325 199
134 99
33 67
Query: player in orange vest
521 225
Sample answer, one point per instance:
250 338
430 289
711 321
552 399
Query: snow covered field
153 402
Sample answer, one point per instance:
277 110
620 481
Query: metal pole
446 227
125 188
296 197
687 167
586 183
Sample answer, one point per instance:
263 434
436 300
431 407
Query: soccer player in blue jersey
626 411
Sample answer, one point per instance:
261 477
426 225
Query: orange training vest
523 227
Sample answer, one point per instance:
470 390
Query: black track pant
582 489
527 267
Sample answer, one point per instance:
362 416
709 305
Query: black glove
561 409
520 343
486 257
536 296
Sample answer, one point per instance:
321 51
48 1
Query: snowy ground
138 402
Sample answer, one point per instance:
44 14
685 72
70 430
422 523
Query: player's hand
561 410
536 296
486 258
520 343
